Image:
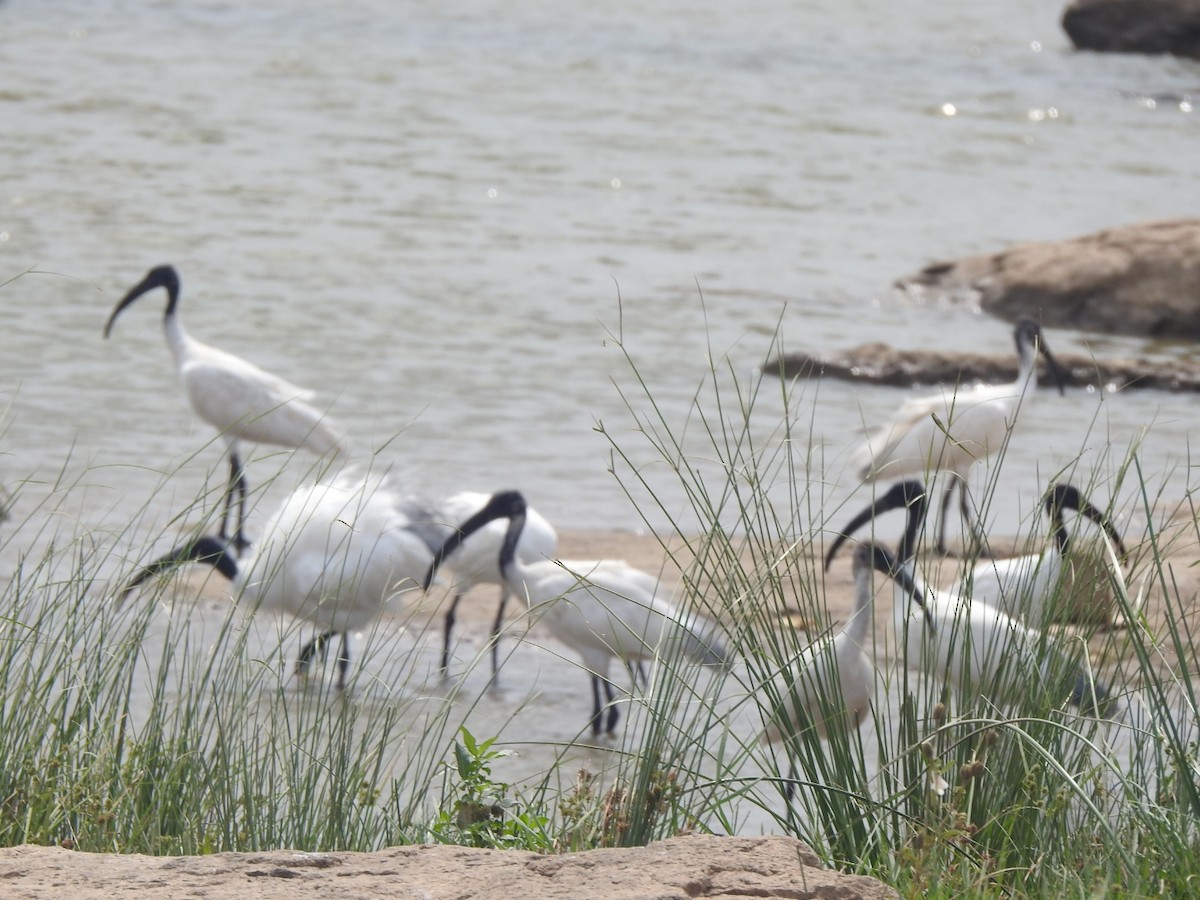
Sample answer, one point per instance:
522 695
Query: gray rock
1141 279
1135 26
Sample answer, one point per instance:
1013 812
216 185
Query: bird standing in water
605 610
956 428
240 400
477 560
337 555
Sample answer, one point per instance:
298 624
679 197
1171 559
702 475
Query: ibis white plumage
830 683
240 400
337 555
1026 586
477 560
604 610
952 430
975 647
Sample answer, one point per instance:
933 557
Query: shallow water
450 221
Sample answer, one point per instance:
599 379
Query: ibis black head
882 560
869 555
212 550
1029 334
1066 496
909 494
501 505
158 277
874 556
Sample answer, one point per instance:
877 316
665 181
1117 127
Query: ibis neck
864 602
177 337
1058 531
1027 365
511 568
914 520
516 576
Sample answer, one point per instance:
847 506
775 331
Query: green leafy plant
478 811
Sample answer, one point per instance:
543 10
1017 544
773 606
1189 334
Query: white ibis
338 555
604 610
240 400
952 430
974 643
1026 586
829 684
477 560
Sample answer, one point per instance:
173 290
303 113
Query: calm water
441 217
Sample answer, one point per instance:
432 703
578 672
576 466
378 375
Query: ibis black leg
496 626
792 782
613 712
343 661
597 706
237 486
448 629
317 645
239 536
230 490
946 498
972 538
638 673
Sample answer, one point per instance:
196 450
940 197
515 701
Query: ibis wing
262 409
881 445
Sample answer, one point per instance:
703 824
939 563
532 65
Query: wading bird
829 683
954 429
240 400
337 555
975 647
477 560
604 610
1027 586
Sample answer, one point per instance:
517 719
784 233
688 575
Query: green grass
1040 800
167 724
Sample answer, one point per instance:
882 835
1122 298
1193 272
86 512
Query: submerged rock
1135 26
881 364
1141 279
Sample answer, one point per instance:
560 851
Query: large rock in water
1135 26
1141 279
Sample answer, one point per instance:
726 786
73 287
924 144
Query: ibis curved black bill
909 494
885 562
1067 496
158 277
502 505
208 549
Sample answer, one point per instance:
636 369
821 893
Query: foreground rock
1135 26
684 867
882 364
1141 279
